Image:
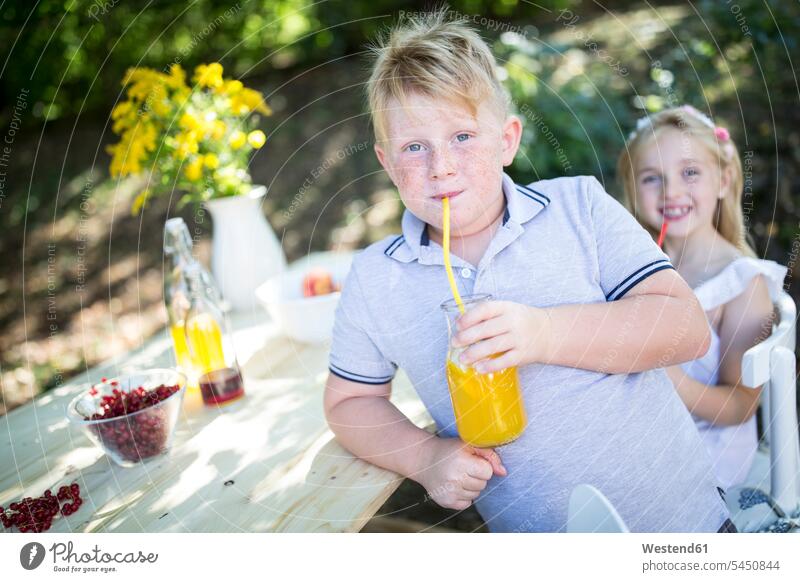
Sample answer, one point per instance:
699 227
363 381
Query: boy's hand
454 473
519 332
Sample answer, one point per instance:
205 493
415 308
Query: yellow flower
121 109
209 75
256 138
140 201
133 148
160 106
194 169
218 129
186 144
211 161
230 87
177 76
190 122
142 83
237 139
209 117
181 97
125 116
248 100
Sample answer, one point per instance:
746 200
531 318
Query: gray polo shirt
562 241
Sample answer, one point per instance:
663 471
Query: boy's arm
368 425
658 323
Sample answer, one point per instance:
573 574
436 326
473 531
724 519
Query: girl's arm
746 321
658 323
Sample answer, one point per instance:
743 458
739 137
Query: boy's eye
462 137
414 147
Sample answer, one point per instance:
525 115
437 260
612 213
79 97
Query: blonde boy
586 305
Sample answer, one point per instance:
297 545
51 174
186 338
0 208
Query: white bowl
305 319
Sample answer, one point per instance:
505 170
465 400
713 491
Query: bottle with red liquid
210 343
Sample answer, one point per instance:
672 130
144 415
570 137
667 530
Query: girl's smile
675 213
679 182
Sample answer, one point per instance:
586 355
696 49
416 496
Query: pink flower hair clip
722 133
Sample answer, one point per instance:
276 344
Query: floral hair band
721 133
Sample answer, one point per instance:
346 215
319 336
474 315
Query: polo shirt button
466 273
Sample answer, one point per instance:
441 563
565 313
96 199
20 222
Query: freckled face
679 181
436 149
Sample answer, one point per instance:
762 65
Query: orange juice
489 409
206 343
182 355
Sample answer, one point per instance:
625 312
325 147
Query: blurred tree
71 55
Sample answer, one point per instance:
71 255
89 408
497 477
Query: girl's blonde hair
729 218
436 56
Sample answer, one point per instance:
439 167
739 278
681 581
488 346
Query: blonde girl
682 178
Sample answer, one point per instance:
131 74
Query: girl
683 180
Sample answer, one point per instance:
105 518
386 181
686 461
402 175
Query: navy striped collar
424 239
522 204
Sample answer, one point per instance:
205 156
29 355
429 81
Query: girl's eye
462 137
652 179
691 172
414 147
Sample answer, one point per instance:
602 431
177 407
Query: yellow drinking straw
446 249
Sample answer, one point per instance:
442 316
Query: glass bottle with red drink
210 342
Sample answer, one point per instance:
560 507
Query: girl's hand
454 473
519 332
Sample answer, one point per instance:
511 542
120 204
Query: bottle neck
177 242
179 252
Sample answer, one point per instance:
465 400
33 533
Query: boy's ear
383 158
512 134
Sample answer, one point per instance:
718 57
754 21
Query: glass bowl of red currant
131 418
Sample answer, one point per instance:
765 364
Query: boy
588 307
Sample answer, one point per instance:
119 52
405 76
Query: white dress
731 448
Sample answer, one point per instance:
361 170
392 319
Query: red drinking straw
662 233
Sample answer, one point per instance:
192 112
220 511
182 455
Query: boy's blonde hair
435 56
729 218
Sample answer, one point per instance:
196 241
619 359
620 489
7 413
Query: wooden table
267 463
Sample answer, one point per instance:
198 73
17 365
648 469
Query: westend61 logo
65 559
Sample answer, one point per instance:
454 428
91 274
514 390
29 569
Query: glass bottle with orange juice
489 408
178 255
209 342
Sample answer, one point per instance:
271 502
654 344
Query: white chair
772 364
590 512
